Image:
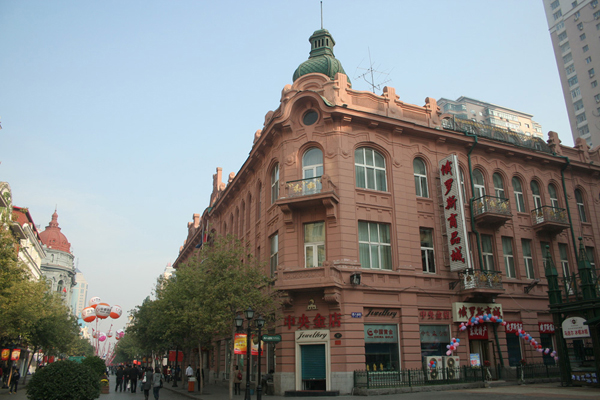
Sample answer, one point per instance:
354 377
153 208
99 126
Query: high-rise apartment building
575 31
475 110
79 298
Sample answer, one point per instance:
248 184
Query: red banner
546 327
5 354
514 326
16 353
172 356
478 331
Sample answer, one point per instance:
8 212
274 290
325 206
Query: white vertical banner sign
454 214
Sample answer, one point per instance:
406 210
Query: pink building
347 195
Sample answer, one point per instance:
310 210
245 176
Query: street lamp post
260 322
239 321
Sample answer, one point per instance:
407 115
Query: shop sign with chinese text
513 326
462 312
479 331
434 334
573 328
546 327
381 334
454 214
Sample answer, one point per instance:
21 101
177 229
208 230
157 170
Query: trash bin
191 384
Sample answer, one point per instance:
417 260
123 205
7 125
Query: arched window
312 170
580 205
478 184
553 195
242 219
275 183
420 173
248 215
537 197
462 186
259 201
60 286
518 190
370 169
498 185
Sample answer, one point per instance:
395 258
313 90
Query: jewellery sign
454 214
574 328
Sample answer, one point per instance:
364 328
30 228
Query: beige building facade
387 224
575 31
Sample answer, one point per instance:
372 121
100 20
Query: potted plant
104 384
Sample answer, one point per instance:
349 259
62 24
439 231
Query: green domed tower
321 57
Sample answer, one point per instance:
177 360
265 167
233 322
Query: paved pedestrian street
551 391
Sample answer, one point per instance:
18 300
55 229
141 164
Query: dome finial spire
321 14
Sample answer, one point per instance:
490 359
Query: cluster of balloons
538 347
452 346
433 363
97 309
480 319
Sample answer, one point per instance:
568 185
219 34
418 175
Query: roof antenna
370 73
321 15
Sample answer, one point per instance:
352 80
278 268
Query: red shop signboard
546 327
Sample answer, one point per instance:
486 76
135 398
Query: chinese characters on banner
432 314
478 331
317 322
456 231
462 312
434 333
546 327
513 327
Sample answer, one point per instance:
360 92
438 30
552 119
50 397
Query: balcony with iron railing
549 219
309 193
491 210
481 283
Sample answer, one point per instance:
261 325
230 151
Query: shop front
313 360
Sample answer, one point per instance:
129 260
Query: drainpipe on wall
562 176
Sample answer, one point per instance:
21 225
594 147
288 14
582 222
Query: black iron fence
443 376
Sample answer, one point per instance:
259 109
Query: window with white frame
312 170
487 252
580 205
509 261
275 183
274 260
420 173
374 245
462 186
535 193
545 247
478 184
427 251
314 244
527 258
553 195
564 260
518 191
369 168
498 185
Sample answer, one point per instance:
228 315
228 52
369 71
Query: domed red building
58 266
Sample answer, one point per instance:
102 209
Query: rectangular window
509 261
597 15
589 252
564 260
582 36
560 25
527 258
513 345
585 129
427 253
314 244
434 339
575 93
573 81
585 48
555 4
567 58
565 47
557 15
487 252
545 249
594 3
374 245
597 98
587 60
581 117
594 84
580 26
578 105
570 69
274 253
562 36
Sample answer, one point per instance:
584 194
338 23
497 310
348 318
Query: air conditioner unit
434 374
452 367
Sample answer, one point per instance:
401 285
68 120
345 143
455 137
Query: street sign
356 315
271 338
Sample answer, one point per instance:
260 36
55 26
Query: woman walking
157 382
147 381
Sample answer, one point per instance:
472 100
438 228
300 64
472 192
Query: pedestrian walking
147 382
237 380
119 374
157 383
134 372
14 381
126 372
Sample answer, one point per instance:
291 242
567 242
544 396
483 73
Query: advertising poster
475 360
5 354
239 344
16 353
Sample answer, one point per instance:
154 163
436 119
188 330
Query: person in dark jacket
134 372
14 380
120 373
126 373
148 380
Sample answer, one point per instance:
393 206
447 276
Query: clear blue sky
118 112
